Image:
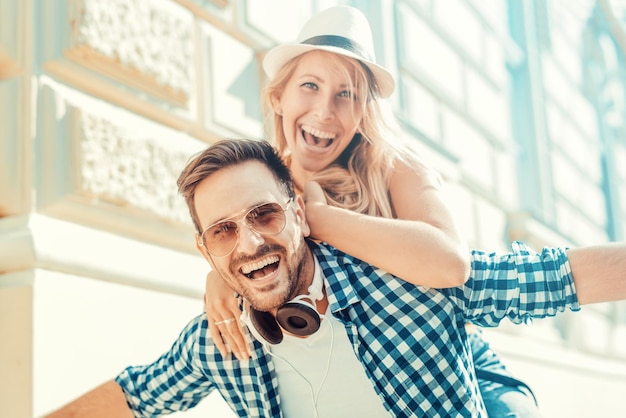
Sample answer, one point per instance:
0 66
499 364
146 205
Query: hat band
340 42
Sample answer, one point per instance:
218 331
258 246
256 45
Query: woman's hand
314 200
222 310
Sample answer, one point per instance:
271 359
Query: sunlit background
520 104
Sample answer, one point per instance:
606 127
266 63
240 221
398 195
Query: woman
324 101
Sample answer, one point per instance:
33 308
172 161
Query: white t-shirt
346 391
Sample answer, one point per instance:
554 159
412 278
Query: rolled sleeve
519 285
174 382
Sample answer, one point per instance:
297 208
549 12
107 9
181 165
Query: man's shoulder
197 328
331 257
340 265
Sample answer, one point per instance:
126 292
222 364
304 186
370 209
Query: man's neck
305 275
308 275
321 304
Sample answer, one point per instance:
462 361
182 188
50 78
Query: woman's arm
422 246
221 307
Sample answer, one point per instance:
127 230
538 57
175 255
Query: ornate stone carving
136 42
129 171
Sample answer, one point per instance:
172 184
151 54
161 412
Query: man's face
267 270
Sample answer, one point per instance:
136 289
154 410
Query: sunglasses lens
221 238
266 219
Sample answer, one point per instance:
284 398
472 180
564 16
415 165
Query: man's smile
260 269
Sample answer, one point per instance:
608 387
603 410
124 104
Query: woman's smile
317 138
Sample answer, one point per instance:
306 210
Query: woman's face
321 113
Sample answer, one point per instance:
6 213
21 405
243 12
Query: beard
299 268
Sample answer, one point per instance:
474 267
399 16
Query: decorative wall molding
102 166
80 78
127 75
42 242
232 91
218 3
15 102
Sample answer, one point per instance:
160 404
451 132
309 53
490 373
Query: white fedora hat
342 30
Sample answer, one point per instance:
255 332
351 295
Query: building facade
519 104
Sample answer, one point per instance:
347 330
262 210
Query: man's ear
203 251
301 216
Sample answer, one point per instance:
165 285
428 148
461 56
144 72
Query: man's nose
249 239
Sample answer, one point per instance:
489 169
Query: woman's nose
324 107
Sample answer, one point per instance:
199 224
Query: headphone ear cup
266 326
298 319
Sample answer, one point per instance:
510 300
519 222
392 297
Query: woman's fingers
222 310
216 335
232 334
313 193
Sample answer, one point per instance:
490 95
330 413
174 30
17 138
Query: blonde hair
359 180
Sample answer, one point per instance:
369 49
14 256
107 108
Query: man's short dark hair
227 153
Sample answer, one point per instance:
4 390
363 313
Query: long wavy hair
359 178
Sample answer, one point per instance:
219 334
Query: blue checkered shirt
410 340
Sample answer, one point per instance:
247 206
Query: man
382 347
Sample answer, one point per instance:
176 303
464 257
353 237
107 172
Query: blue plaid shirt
410 340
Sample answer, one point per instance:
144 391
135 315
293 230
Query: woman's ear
276 106
301 216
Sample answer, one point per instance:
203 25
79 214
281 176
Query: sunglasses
221 238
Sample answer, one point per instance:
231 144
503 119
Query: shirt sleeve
176 381
519 285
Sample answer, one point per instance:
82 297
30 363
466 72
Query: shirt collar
334 267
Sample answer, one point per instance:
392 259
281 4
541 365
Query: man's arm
105 401
599 272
